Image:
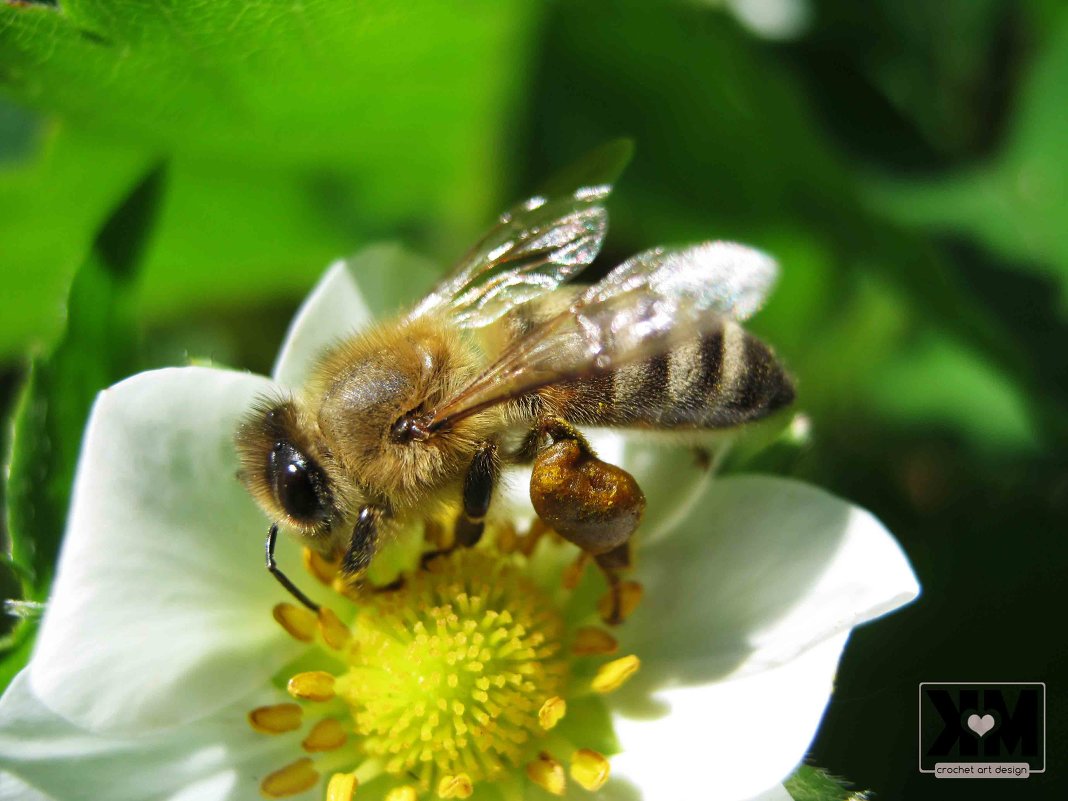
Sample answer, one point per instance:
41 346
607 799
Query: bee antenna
283 579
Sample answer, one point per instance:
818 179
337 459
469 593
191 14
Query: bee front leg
362 542
479 483
593 504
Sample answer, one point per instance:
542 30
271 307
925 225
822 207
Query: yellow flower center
458 674
447 674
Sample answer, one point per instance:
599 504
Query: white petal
761 570
12 788
746 611
730 740
161 608
217 759
378 281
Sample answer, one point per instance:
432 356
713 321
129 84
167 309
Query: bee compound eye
296 483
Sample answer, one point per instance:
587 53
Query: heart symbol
981 725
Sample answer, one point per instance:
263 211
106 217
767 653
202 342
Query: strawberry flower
162 641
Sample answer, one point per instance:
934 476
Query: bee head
281 469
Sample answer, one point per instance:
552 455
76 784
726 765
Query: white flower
158 638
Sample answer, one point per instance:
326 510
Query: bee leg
593 504
479 483
283 579
362 542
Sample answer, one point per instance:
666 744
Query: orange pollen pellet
275 719
299 622
292 779
315 685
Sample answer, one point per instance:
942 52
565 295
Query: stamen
403 793
548 774
629 594
458 786
573 572
592 641
552 712
275 719
319 567
327 735
315 685
292 779
611 675
589 769
335 633
341 787
298 621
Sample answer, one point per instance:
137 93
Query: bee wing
644 307
532 250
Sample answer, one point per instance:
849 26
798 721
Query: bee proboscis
499 364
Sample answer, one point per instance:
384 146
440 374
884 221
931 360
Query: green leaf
813 784
602 165
96 349
294 133
50 210
1017 204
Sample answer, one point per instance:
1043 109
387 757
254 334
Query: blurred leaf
96 349
294 134
602 165
814 784
49 211
941 382
322 84
1017 205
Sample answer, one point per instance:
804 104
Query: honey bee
499 364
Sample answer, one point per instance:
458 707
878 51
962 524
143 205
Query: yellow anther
589 769
341 787
292 779
572 574
507 538
335 633
275 719
611 675
319 567
548 774
629 594
458 786
315 685
538 529
326 735
552 712
298 621
403 793
591 641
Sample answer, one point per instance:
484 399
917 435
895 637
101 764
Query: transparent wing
532 250
644 307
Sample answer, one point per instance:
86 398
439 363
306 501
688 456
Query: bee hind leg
593 504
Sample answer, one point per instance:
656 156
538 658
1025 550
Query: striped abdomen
724 379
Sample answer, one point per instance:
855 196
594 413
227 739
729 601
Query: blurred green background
905 161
